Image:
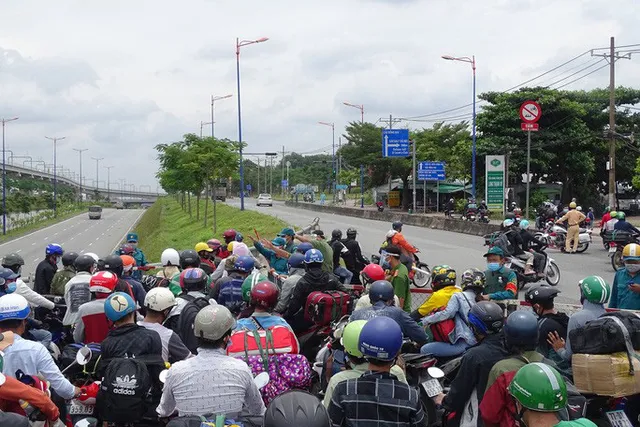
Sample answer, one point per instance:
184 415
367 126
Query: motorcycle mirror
261 380
87 422
83 356
2 379
163 375
435 373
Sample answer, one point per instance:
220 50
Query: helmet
486 317
92 255
113 263
521 330
579 208
230 245
507 222
524 224
85 262
381 338
370 273
381 290
14 307
118 305
573 205
510 215
473 278
214 243
350 337
229 235
213 322
53 249
127 249
244 264
128 262
159 299
239 237
296 260
264 294
541 294
189 258
241 249
68 258
304 247
202 246
12 259
614 214
352 232
296 408
441 276
7 274
193 279
313 256
103 282
336 234
170 257
132 237
595 289
621 215
539 387
396 225
249 283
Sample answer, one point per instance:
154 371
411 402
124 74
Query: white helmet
14 307
213 322
579 208
159 299
507 222
92 255
170 257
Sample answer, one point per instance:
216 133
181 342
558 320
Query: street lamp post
203 124
213 108
97 159
55 177
108 168
359 107
4 178
333 155
471 61
240 44
80 150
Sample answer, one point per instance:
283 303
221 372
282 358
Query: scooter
555 237
420 273
551 270
423 374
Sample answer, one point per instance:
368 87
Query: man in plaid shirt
377 398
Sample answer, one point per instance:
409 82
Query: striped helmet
595 289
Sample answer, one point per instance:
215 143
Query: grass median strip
167 225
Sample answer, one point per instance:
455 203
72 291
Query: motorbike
52 321
483 216
380 206
551 270
616 241
555 237
423 374
330 359
420 273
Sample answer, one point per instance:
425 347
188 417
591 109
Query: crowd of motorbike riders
199 311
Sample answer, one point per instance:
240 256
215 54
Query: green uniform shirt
60 279
327 254
400 282
290 247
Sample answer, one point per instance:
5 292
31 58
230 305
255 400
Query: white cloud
122 76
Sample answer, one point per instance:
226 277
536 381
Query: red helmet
264 294
103 282
229 235
371 273
127 249
214 244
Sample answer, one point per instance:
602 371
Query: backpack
122 397
230 295
276 339
608 334
184 326
324 307
502 242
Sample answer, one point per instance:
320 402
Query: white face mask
632 268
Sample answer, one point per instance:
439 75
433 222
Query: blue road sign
341 186
395 143
285 183
248 187
431 171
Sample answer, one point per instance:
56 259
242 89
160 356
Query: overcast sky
121 76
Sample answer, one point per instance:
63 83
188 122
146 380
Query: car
264 200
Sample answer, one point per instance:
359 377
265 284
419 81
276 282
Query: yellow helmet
202 246
572 205
230 246
632 250
614 214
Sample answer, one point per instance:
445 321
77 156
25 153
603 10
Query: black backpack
122 397
184 327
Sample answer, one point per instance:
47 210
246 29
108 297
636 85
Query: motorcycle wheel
420 279
582 247
553 274
616 261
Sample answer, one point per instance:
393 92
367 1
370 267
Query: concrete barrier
438 223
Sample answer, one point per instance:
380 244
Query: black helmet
352 232
510 215
113 263
486 317
193 279
68 258
541 294
442 276
84 263
336 234
521 330
189 259
397 225
12 259
381 290
296 408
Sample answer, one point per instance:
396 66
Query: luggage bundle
323 308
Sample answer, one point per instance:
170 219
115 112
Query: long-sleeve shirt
625 226
458 309
621 295
501 284
590 311
12 391
439 298
287 289
410 327
32 296
278 264
399 240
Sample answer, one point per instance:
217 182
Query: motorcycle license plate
78 408
432 387
612 249
618 419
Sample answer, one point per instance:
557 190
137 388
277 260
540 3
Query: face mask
493 266
10 287
385 264
632 268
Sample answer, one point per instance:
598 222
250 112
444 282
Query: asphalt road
461 251
77 234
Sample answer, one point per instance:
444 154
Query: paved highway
78 234
461 251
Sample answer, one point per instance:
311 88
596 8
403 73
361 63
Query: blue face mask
493 266
10 287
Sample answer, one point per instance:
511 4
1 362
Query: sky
119 77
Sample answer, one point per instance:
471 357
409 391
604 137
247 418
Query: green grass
166 225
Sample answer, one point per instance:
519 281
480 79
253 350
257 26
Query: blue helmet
239 237
304 247
244 264
8 274
313 256
296 260
521 330
118 305
381 290
53 249
381 339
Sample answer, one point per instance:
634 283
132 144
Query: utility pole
282 164
97 159
108 168
258 192
80 150
55 176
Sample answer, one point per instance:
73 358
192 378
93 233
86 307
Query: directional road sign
395 143
248 187
285 183
530 111
431 171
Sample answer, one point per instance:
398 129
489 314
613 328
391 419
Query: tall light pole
213 108
333 155
55 176
4 178
471 61
80 150
359 107
203 124
108 168
97 159
240 44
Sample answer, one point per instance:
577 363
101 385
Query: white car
264 200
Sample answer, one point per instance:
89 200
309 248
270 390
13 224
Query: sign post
431 171
494 179
530 113
395 143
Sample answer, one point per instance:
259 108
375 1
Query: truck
219 193
95 212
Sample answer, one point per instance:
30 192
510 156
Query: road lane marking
43 229
18 251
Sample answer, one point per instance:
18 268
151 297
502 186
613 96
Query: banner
494 182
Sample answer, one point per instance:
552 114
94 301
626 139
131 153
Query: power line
576 73
582 77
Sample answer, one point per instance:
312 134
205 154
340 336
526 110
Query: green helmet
595 289
539 387
607 209
441 276
350 337
621 215
250 282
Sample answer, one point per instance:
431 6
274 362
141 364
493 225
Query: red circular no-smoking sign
530 111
